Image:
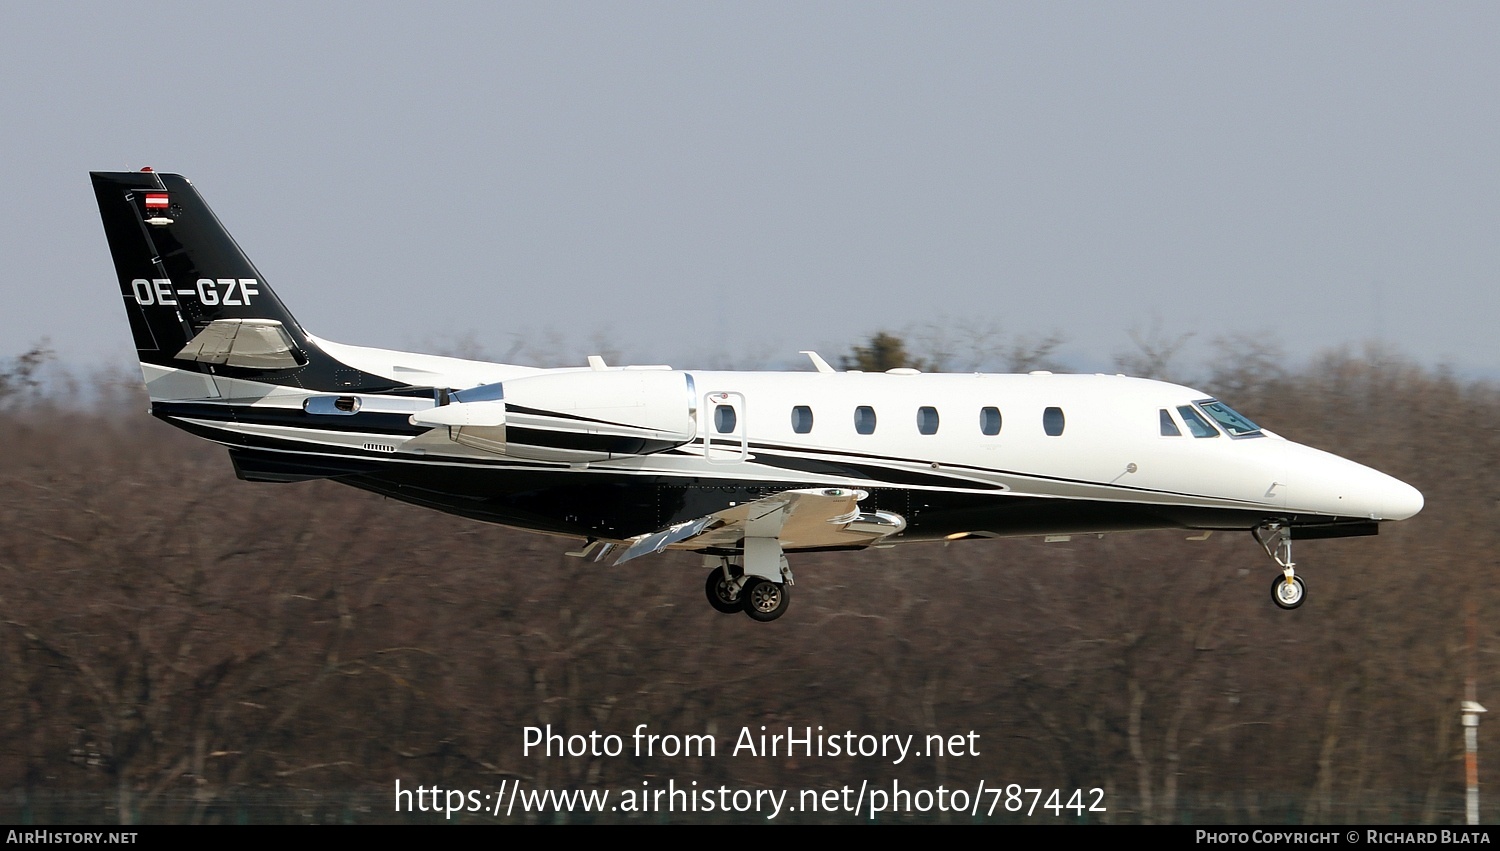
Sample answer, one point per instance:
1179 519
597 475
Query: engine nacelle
574 416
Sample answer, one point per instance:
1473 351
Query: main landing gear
729 590
766 600
724 588
1288 591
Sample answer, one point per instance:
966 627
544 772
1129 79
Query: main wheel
725 596
765 600
1288 595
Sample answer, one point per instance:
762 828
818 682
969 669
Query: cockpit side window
1168 427
1196 424
1232 421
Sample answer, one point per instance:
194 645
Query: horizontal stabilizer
247 343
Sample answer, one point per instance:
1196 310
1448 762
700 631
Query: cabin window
927 420
989 421
802 419
1196 424
1168 427
1052 421
864 419
725 419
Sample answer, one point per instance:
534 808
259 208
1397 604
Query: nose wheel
1288 591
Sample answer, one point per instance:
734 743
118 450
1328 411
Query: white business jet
741 467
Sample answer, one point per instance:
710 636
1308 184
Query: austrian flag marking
156 200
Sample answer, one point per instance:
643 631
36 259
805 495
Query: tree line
176 645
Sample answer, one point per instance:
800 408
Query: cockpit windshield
1234 423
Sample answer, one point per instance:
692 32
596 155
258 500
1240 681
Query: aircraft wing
796 519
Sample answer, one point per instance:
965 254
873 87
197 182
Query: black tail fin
180 270
195 301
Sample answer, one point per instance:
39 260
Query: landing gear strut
1288 591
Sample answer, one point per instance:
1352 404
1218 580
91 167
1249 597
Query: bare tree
20 376
1154 353
974 345
176 645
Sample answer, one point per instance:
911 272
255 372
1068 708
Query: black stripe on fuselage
549 498
399 424
619 445
818 466
615 506
362 422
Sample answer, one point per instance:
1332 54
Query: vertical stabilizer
198 307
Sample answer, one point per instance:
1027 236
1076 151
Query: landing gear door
724 436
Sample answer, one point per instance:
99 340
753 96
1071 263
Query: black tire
1288 597
721 595
765 600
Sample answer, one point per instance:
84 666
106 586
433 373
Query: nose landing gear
1288 591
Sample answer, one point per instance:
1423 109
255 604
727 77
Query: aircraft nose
1398 500
1370 493
1340 487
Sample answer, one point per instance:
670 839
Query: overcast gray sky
702 183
